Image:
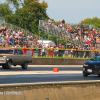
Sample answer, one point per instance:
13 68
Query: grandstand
78 36
59 32
13 36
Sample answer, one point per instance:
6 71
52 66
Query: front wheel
24 66
98 75
8 65
85 75
4 66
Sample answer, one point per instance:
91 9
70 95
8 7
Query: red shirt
88 42
36 39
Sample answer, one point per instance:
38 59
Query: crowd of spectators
12 38
87 38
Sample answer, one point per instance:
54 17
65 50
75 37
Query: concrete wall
54 92
57 61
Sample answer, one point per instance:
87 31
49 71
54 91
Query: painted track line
55 65
38 72
49 66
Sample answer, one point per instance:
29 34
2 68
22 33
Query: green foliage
56 22
52 19
26 17
94 21
5 9
31 13
57 40
14 2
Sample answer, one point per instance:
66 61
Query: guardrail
47 52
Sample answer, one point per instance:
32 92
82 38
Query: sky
72 11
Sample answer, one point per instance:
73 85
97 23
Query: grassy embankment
60 57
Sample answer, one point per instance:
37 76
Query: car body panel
17 59
92 67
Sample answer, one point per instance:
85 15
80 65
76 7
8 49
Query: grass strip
59 57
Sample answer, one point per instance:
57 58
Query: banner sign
28 51
92 54
51 52
66 53
35 52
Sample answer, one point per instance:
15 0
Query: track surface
43 73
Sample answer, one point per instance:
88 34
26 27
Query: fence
46 52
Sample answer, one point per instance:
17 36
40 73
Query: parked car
92 66
14 56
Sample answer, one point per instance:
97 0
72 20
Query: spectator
50 22
90 27
43 50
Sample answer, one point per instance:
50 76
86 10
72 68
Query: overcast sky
73 11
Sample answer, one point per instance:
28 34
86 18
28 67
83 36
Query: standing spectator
43 50
55 51
81 27
63 22
90 27
50 22
71 52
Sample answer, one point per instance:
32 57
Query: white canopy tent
46 42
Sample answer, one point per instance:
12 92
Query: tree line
27 14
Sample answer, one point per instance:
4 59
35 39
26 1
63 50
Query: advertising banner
66 53
51 52
92 54
28 51
35 52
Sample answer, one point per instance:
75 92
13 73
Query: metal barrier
47 52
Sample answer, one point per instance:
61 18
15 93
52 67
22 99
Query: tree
14 2
5 9
94 21
27 16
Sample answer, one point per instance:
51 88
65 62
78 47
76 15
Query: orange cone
56 69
